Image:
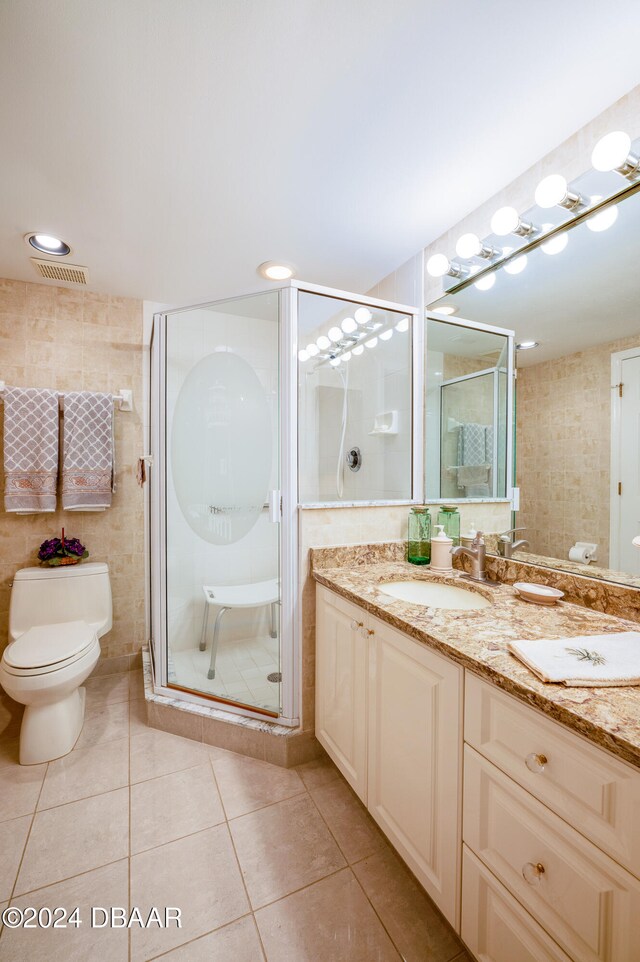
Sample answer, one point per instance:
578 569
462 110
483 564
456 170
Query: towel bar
124 398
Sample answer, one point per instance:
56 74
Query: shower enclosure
224 493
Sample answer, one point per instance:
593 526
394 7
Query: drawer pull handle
536 762
533 873
366 632
356 624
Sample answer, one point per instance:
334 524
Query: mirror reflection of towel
472 474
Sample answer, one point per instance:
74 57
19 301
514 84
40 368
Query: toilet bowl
46 662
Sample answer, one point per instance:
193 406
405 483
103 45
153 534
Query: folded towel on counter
30 449
88 456
589 661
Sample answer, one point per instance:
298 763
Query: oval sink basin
434 595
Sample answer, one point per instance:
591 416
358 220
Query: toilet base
50 731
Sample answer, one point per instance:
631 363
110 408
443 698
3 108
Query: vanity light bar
611 153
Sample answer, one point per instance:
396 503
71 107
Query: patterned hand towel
589 661
88 462
30 449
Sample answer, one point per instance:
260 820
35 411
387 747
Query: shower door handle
275 506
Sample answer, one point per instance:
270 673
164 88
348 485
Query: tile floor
265 863
242 667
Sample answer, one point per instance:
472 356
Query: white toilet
56 617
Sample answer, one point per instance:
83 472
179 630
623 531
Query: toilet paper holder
583 552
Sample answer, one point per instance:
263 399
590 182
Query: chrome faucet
477 552
506 546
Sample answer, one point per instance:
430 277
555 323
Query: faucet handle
479 538
505 534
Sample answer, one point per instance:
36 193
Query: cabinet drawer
581 897
597 794
494 926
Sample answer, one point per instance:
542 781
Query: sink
434 595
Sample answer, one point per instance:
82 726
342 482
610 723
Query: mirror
466 412
575 306
354 401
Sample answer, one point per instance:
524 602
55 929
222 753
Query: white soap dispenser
441 560
467 539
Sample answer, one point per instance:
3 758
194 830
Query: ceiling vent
61 272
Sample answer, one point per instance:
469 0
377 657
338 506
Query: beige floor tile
237 942
75 838
198 875
247 784
136 684
85 772
138 717
19 784
155 753
318 772
353 828
410 917
282 848
105 723
13 835
107 689
107 886
166 808
331 921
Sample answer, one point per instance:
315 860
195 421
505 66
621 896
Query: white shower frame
290 610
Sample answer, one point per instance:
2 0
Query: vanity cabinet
389 715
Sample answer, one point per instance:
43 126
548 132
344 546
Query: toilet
56 618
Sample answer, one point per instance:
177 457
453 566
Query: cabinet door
414 758
341 686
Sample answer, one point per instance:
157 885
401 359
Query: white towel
588 661
88 467
30 449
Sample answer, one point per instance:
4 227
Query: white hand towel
588 661
88 467
30 449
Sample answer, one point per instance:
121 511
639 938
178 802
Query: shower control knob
354 459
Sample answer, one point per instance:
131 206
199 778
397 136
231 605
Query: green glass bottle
449 518
419 541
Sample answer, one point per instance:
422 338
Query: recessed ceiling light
527 345
447 309
274 271
48 244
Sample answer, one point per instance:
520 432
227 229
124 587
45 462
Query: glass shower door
223 501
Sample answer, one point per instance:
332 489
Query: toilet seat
48 648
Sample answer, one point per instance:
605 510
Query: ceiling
176 144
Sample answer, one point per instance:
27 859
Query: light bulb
527 345
363 315
438 265
552 191
516 266
346 356
335 334
358 349
485 283
468 245
303 356
604 220
447 309
312 349
403 325
555 244
334 361
505 221
386 334
323 342
349 325
275 272
48 242
372 342
611 151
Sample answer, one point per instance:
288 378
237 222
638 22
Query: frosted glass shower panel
222 473
355 401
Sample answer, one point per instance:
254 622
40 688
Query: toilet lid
46 645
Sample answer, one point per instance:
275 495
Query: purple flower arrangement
62 551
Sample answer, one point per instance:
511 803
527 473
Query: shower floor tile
242 668
205 830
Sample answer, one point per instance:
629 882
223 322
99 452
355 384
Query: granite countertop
477 640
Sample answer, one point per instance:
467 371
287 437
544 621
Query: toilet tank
49 596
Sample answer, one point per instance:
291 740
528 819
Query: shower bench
257 595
